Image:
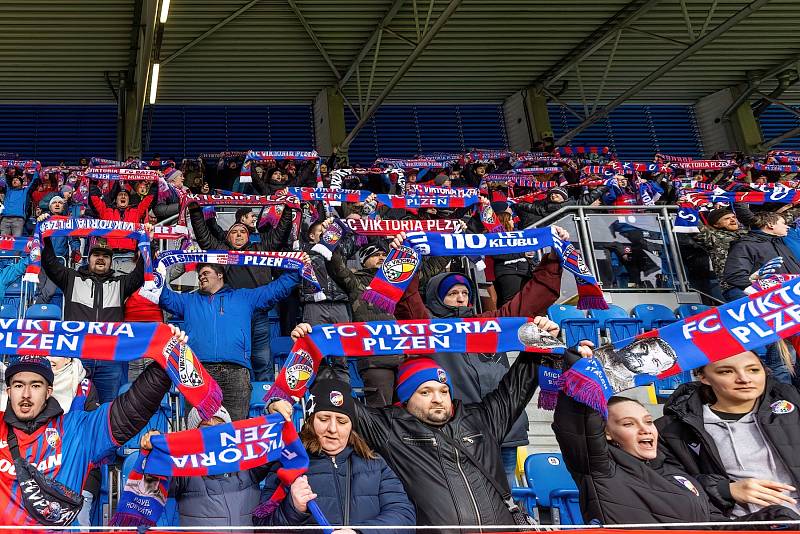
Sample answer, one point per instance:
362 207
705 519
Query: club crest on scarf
299 369
332 236
181 364
401 267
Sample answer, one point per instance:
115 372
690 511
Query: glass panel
630 251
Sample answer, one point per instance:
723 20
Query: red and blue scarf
394 276
120 342
748 323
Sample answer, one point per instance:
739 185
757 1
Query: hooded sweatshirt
746 453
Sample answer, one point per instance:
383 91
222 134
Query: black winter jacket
241 277
530 213
445 487
752 251
617 488
376 496
685 442
88 296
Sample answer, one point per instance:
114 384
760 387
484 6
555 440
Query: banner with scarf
746 324
21 244
479 156
292 261
239 200
392 227
705 164
509 179
417 201
72 227
255 156
411 337
120 173
119 342
431 190
793 158
27 165
776 168
394 276
308 194
538 170
676 159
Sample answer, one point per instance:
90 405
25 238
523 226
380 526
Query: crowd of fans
434 440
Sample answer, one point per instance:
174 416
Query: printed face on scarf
736 380
648 356
431 403
631 427
142 188
728 222
27 395
457 296
99 262
332 430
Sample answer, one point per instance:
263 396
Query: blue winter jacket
16 200
12 273
377 496
219 325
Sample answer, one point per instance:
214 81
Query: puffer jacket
333 292
752 251
374 497
218 500
91 297
15 203
240 276
134 214
685 441
530 213
474 375
617 488
219 324
445 487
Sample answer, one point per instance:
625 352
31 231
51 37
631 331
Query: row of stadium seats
36 311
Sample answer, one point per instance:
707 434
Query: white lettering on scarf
242 444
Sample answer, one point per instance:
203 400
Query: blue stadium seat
8 311
665 386
550 486
43 311
280 347
257 398
653 315
356 382
574 323
14 290
687 310
617 322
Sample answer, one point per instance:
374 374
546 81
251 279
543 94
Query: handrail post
671 243
585 241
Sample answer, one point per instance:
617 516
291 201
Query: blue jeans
509 456
261 357
107 377
772 358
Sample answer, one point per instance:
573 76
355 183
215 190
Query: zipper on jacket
432 441
471 439
469 489
333 459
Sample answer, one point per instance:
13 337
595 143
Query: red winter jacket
135 214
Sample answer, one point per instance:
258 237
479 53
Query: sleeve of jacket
131 411
592 196
743 213
135 279
265 297
172 302
343 276
144 206
738 267
373 425
55 271
411 305
12 273
285 514
277 237
396 508
538 294
202 233
580 433
99 205
503 406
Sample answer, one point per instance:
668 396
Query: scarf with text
15 244
235 199
118 173
394 276
256 156
411 337
70 227
430 190
392 227
143 498
120 342
746 324
291 261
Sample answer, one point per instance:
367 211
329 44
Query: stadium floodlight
154 83
164 11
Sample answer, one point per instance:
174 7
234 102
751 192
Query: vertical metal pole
585 240
672 247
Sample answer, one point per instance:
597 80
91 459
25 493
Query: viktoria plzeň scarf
215 450
121 342
748 323
394 276
414 337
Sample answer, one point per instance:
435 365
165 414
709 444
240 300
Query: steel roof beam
393 10
310 31
136 93
754 83
603 34
197 40
676 60
766 145
401 71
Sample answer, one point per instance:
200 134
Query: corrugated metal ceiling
57 51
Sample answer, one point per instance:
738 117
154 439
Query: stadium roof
285 51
